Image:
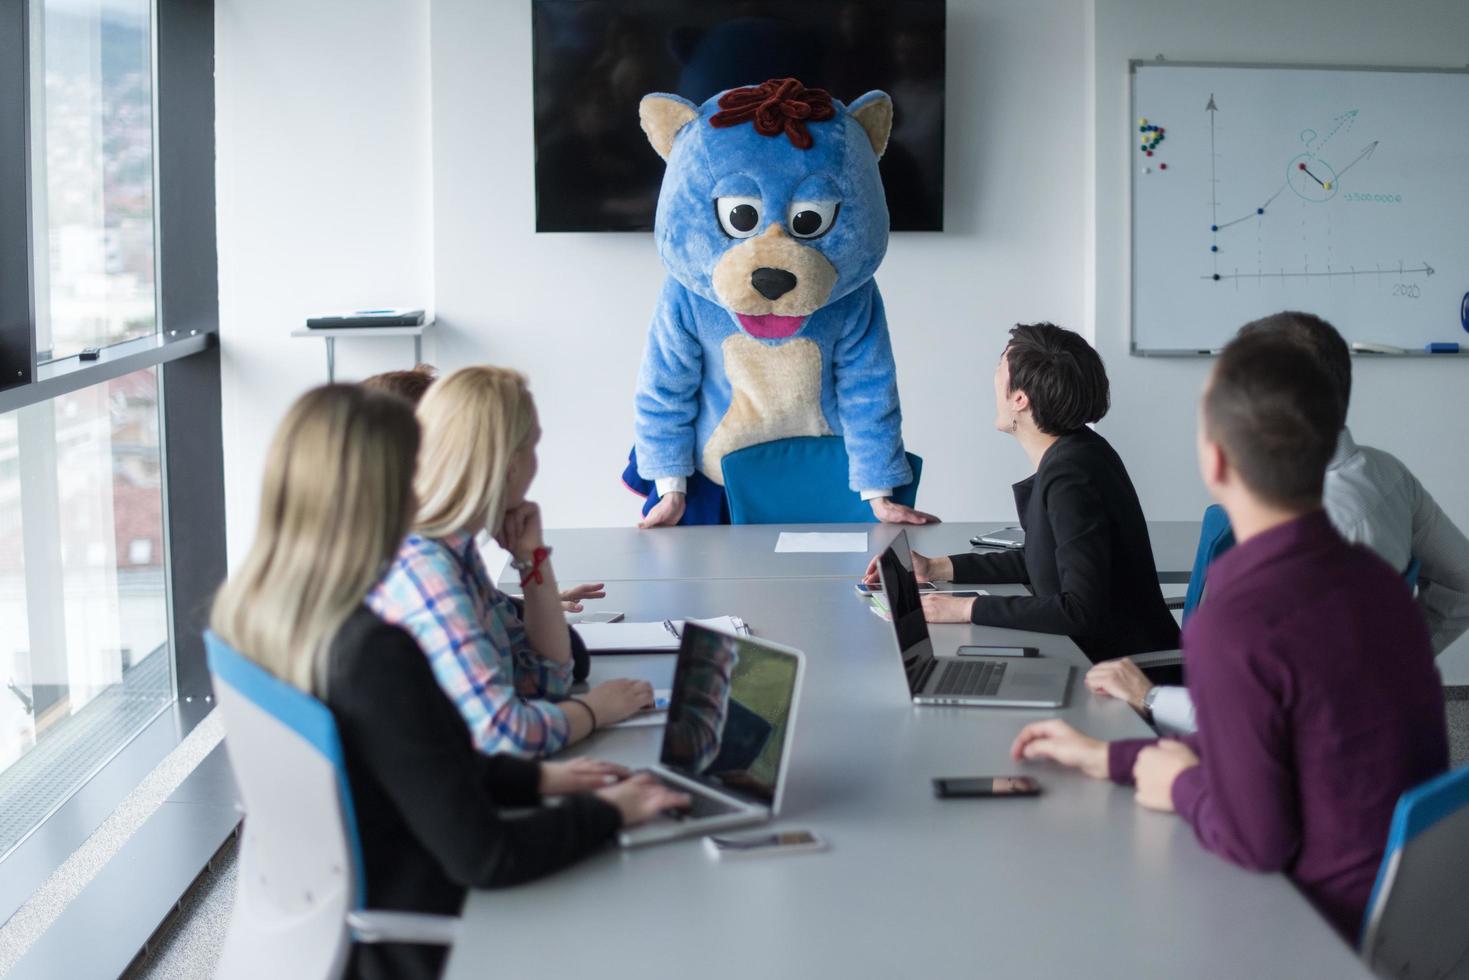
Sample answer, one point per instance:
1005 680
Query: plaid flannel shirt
439 590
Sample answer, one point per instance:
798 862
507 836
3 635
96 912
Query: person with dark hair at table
1372 499
1087 556
1305 738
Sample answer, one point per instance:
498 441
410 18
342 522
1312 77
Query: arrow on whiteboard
1345 119
1366 152
1211 108
1428 268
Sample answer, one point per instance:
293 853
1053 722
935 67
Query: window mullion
17 318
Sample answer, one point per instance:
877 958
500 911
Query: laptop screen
730 712
905 604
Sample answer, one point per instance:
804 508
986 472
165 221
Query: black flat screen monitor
594 59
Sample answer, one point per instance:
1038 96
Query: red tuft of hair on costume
781 105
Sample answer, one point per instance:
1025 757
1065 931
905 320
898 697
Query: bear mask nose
772 283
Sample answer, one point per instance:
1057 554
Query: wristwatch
1148 700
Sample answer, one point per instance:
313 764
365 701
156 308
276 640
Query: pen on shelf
668 625
1439 347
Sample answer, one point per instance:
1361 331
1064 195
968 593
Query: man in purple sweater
1310 668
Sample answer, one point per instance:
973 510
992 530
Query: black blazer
428 805
1087 557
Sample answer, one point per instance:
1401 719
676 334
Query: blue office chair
800 481
299 903
1215 538
1415 924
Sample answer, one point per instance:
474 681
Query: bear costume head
771 205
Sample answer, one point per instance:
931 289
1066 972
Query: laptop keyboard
700 805
980 679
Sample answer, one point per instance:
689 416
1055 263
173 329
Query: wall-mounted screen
594 59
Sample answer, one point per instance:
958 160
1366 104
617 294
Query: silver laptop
727 743
998 682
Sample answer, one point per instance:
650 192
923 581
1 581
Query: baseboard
101 931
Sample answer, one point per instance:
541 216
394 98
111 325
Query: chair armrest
403 927
1158 658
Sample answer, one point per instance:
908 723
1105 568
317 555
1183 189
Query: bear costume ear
875 112
662 117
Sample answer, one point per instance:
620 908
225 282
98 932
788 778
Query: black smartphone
992 651
968 786
864 588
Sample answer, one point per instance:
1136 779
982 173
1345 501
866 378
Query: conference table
748 550
1079 882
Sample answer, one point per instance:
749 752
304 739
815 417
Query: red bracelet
538 558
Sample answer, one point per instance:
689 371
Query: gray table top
748 551
1079 882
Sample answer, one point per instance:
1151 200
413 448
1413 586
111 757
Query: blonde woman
413 384
510 677
427 803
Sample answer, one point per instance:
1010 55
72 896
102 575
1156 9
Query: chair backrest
1411 575
1415 925
802 480
300 857
1215 538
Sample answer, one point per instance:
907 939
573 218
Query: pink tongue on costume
769 326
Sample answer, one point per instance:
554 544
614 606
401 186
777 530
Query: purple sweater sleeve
1241 799
1122 755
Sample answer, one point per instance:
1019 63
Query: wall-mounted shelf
331 335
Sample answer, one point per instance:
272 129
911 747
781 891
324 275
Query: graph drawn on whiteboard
1337 191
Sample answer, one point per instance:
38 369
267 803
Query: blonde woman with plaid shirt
509 677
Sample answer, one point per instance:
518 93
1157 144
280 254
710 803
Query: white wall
1415 409
335 189
325 200
572 310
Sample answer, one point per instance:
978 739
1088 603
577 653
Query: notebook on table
662 636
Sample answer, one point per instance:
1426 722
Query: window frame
186 351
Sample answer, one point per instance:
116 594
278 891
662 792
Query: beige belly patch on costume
775 393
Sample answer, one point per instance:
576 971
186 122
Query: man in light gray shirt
1372 500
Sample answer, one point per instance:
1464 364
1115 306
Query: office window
84 654
92 108
111 470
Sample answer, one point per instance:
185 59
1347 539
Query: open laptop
999 682
727 743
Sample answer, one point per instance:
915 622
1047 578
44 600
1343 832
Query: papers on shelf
821 541
664 635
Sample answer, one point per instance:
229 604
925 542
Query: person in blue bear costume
771 222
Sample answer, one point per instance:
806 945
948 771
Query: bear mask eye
812 219
738 216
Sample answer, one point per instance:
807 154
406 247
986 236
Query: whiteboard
1339 191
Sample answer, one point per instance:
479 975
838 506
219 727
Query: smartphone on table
865 588
1006 537
997 651
763 843
962 787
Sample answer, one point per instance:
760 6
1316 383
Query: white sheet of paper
821 541
657 715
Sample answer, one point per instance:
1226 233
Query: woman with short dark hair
1087 557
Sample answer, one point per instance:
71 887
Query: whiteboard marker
1442 348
